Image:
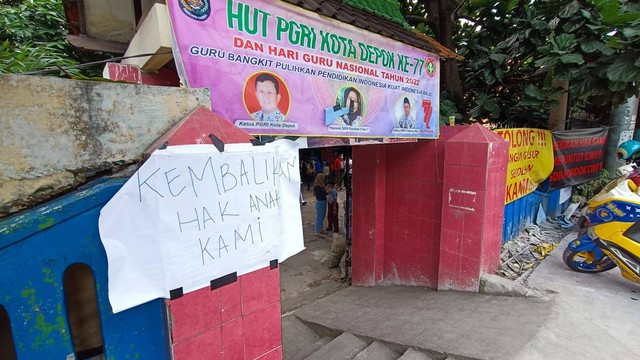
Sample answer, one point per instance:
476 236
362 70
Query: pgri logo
196 9
430 67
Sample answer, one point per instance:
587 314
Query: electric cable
60 68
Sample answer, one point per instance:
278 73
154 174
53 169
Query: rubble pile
521 255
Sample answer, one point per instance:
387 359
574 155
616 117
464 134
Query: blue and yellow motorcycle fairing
622 246
612 211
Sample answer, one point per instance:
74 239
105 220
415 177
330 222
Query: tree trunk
558 114
441 18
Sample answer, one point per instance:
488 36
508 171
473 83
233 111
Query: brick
194 313
450 240
262 331
230 301
473 224
477 202
275 354
449 261
454 155
259 288
447 280
470 268
233 340
476 154
205 346
471 245
468 284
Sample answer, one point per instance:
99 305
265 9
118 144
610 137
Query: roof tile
378 16
309 4
344 17
328 10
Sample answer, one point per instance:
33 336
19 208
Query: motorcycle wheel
584 262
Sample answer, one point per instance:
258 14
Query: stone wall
57 133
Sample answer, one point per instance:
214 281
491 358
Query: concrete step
413 354
304 353
377 351
295 336
344 347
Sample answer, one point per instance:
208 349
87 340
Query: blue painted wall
520 213
35 249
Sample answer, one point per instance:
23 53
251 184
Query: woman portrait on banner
352 101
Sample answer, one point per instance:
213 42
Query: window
82 310
7 347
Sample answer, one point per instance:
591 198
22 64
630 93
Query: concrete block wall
59 132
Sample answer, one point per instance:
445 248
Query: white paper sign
191 214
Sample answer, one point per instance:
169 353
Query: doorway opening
324 266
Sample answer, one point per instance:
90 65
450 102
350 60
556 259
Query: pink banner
276 69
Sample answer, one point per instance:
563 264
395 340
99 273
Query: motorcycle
610 229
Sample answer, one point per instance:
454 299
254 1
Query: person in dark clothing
332 204
320 193
306 172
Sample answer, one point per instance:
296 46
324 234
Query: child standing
332 204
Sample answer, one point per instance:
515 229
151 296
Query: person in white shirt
268 95
406 121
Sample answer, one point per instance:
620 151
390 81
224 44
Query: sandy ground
306 276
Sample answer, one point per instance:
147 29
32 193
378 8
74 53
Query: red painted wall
238 321
473 208
133 74
397 200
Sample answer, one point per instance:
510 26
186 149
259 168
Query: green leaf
614 44
534 92
619 19
562 72
530 102
488 77
530 12
538 24
572 26
590 46
570 9
617 85
546 61
572 59
499 58
553 23
564 42
631 33
622 69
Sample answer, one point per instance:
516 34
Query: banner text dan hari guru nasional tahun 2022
276 69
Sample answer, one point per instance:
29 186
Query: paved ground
306 276
590 317
594 315
455 323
